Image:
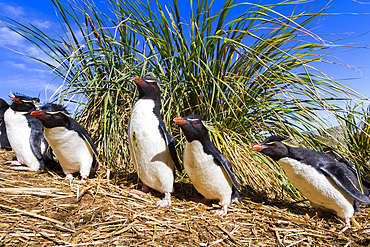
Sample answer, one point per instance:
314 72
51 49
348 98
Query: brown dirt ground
38 210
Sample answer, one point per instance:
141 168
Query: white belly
73 152
19 133
208 178
149 151
320 190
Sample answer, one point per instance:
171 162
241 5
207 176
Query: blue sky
346 22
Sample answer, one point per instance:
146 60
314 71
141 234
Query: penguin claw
69 176
347 225
200 200
165 202
21 168
221 212
137 192
12 163
141 192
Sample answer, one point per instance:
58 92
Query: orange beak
258 147
179 120
138 80
37 113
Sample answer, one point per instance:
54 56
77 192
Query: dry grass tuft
37 210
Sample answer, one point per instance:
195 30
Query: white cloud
42 24
13 42
10 10
27 82
18 65
9 37
28 68
78 35
34 51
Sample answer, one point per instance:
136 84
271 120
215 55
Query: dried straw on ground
38 210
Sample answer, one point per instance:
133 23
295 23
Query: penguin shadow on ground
299 207
183 189
125 179
53 166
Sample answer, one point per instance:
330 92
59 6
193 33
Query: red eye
274 146
26 103
55 115
195 124
151 84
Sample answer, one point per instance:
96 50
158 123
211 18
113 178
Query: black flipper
85 135
353 168
340 176
224 162
171 145
341 159
37 133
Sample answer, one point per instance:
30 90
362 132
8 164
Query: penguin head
24 103
52 115
331 153
327 150
273 147
193 127
148 88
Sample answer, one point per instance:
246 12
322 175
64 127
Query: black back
346 162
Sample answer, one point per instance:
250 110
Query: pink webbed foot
12 163
200 200
17 166
165 202
222 211
21 168
347 224
141 192
69 176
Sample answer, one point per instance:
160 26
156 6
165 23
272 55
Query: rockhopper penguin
4 143
152 147
71 143
325 182
208 169
26 135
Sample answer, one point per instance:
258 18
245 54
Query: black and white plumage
4 143
26 135
152 147
208 169
325 182
346 162
71 143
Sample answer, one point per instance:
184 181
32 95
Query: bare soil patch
38 210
